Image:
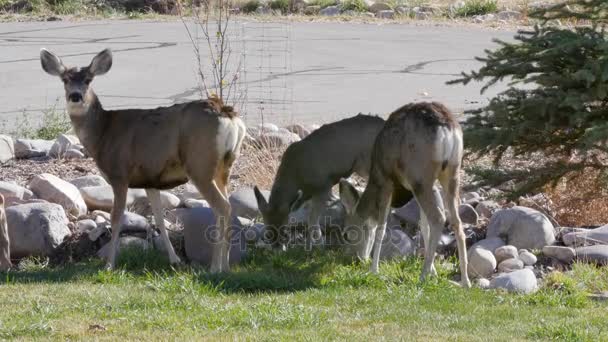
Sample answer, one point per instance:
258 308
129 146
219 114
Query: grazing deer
311 167
5 251
154 149
419 144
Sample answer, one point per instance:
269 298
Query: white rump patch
230 134
448 146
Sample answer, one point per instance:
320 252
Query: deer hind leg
157 209
380 231
425 231
436 219
317 206
450 181
118 210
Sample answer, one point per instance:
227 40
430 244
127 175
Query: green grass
477 7
354 5
319 296
323 3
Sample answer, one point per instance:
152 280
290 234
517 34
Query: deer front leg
118 210
315 237
157 209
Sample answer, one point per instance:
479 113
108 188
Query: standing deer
154 149
311 167
419 144
5 251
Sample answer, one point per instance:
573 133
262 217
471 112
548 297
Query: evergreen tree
557 100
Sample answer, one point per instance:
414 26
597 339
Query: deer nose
75 97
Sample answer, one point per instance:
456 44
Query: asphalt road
298 72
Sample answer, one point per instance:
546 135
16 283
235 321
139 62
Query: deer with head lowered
419 144
311 167
154 149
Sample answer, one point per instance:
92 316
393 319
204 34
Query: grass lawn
318 296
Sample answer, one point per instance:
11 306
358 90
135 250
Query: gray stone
520 281
7 149
89 180
73 154
32 148
190 191
487 208
379 6
402 10
267 127
124 243
300 130
470 195
421 15
169 200
587 237
200 235
53 189
85 225
396 244
244 204
276 139
482 262
133 223
62 144
36 229
194 203
468 214
509 15
330 11
387 14
561 253
528 258
97 232
11 190
505 252
410 213
483 283
102 197
597 254
522 227
510 265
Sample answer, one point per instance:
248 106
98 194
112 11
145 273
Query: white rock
9 190
483 283
267 128
468 214
133 223
86 225
521 281
276 139
522 227
561 253
32 148
63 143
505 252
7 149
597 254
124 243
396 244
487 208
36 229
194 203
481 263
528 258
587 237
244 204
89 180
169 200
300 130
102 197
510 265
56 190
73 154
509 15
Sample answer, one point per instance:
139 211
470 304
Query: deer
5 251
154 149
420 143
311 167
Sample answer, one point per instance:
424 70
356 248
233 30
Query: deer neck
376 198
87 121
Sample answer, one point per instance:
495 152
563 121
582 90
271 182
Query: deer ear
262 203
297 203
101 63
51 63
349 196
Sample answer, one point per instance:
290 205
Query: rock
487 208
124 243
36 229
587 237
276 139
522 227
349 13
102 197
379 6
563 254
200 235
470 195
509 15
421 15
194 203
410 213
56 190
510 265
505 252
190 191
89 180
483 283
101 216
396 244
7 149
10 190
244 204
267 128
482 19
169 200
597 254
19 6
482 262
300 130
85 226
521 281
388 14
468 214
330 11
73 154
368 14
97 232
62 144
402 10
32 148
312 10
133 223
528 258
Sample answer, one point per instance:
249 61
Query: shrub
477 7
250 6
323 3
354 5
282 5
